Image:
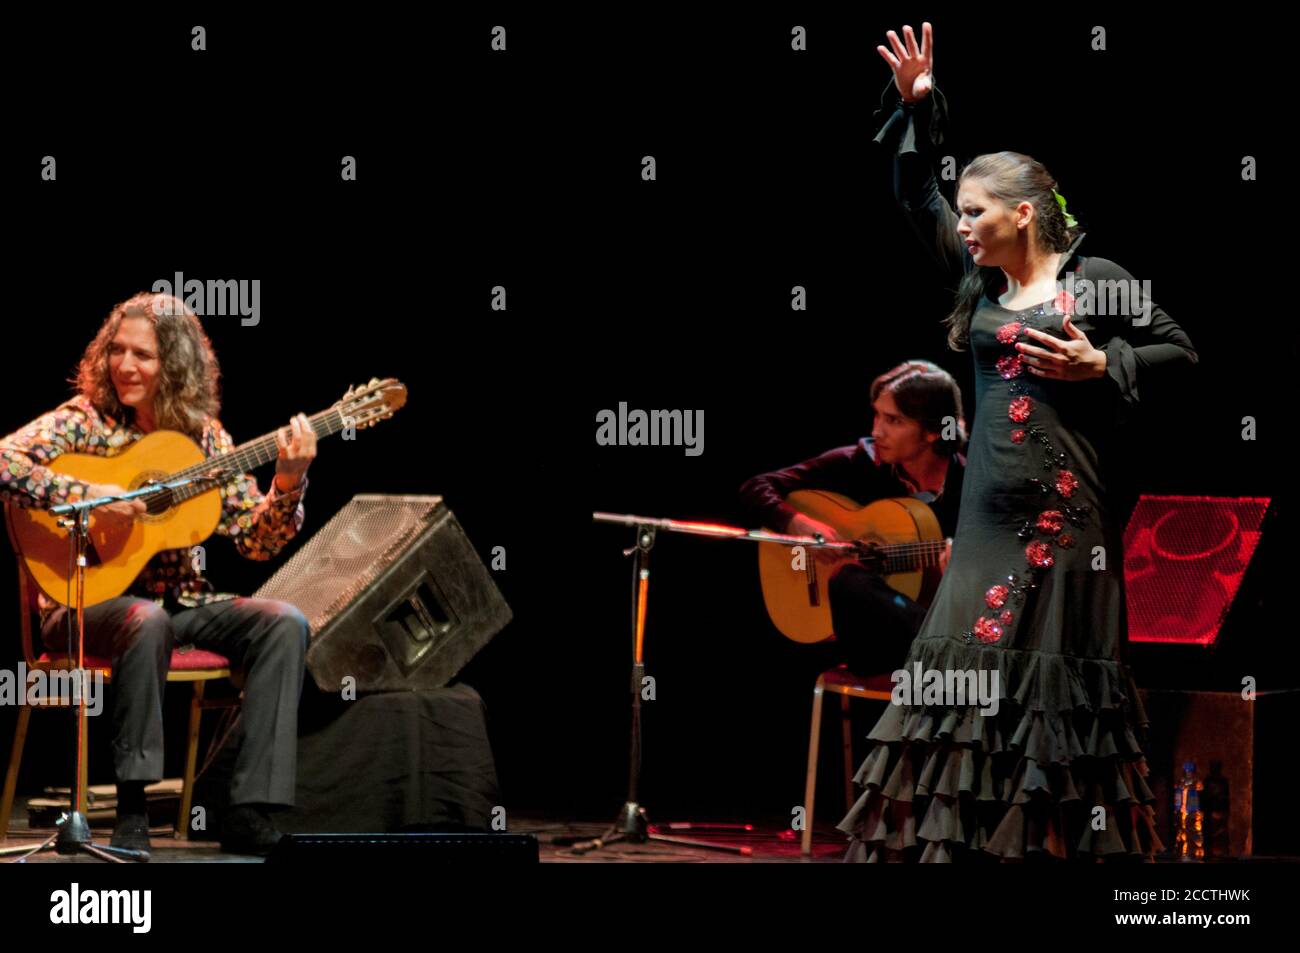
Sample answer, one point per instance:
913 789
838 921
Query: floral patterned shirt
258 524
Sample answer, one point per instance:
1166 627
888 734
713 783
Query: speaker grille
345 557
1184 560
397 597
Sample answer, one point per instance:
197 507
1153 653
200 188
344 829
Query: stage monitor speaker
396 596
460 849
1184 561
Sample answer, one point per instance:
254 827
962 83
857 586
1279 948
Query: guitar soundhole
158 507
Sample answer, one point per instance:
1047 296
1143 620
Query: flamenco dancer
1035 587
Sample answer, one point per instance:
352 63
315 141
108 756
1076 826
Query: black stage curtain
384 763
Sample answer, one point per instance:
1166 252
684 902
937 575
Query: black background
523 169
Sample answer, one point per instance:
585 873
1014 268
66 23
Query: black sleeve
1137 341
762 498
913 132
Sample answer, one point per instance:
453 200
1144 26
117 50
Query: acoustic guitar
900 538
176 519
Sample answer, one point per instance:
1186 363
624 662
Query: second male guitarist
905 455
151 367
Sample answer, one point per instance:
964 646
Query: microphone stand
633 824
73 835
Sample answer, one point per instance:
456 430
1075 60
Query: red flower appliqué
996 597
986 630
1010 366
1008 333
1066 483
1065 541
1039 555
1020 409
1050 522
1006 617
1018 436
1064 302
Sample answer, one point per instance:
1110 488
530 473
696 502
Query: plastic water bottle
1189 838
1215 803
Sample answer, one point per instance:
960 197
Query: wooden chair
842 682
188 664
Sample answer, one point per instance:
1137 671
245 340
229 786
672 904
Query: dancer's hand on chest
1074 359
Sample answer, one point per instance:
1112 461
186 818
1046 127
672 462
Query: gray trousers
266 639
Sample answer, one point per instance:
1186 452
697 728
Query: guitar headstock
365 406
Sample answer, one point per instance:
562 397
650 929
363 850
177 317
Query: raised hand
913 66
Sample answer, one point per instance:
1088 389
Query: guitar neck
909 557
253 454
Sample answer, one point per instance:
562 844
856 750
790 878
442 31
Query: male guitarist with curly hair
151 367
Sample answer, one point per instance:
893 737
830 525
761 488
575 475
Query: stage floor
761 844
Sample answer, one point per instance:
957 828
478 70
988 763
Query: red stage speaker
396 596
1184 558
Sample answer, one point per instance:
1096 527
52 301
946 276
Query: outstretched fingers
899 49
926 52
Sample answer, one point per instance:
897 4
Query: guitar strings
251 455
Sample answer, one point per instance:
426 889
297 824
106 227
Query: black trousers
874 625
264 638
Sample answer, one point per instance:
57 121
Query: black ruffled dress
1034 590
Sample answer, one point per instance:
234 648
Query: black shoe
247 829
131 832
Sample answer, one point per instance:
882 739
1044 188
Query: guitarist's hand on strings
802 525
120 513
945 556
297 444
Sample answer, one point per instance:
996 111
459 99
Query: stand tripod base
74 834
633 823
634 827
73 837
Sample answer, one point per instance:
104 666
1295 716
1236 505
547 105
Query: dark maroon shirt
854 472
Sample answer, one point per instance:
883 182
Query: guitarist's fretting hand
297 444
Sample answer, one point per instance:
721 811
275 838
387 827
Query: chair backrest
29 614
26 594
